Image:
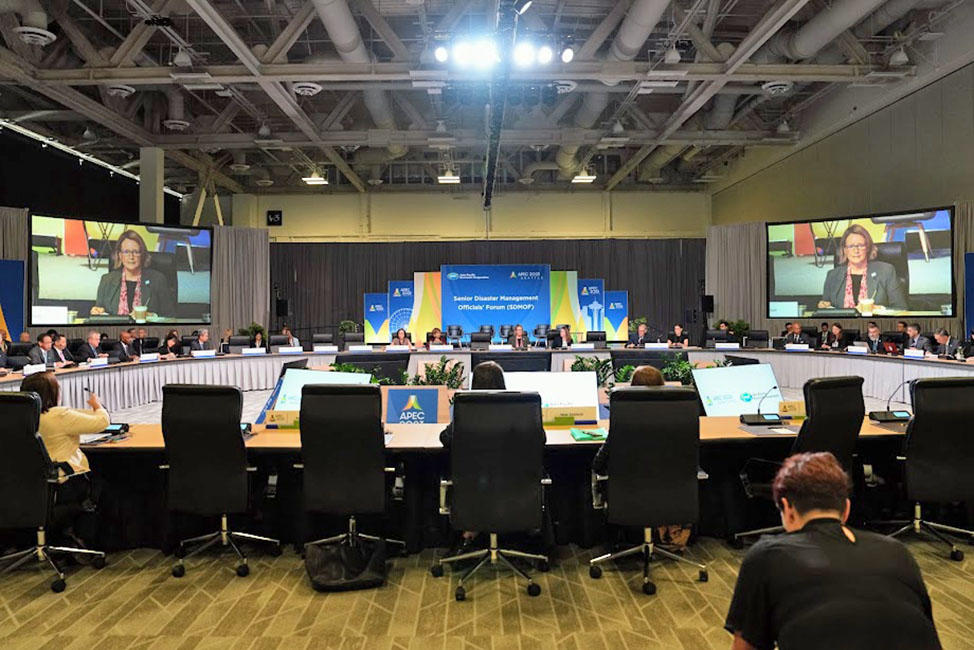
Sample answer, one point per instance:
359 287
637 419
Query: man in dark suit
59 351
873 341
796 336
914 340
202 341
137 341
946 346
125 351
92 348
640 337
41 353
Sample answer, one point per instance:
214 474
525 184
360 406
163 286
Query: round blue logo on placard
452 276
746 397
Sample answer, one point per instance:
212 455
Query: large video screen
90 272
897 264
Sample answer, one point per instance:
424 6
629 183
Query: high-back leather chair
236 344
939 453
27 482
322 339
207 463
343 454
352 338
497 462
276 341
652 470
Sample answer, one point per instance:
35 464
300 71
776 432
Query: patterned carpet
134 603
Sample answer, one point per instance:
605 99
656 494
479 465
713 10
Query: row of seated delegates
676 339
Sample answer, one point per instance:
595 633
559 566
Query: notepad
589 434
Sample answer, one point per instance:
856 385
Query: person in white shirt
292 340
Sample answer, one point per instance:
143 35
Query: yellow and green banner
377 318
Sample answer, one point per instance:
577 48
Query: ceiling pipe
876 22
31 12
527 175
640 20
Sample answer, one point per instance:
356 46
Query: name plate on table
797 347
441 348
34 368
97 362
857 349
397 348
718 345
914 353
325 349
248 352
583 346
360 348
149 357
290 349
500 347
207 354
656 346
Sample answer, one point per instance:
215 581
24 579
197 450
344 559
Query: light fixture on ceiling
784 127
441 54
545 54
672 56
899 57
315 179
264 131
524 54
520 6
567 54
182 59
89 135
448 177
584 176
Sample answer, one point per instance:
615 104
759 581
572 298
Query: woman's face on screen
131 255
856 249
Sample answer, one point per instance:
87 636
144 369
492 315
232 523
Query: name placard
34 368
290 349
149 357
325 349
360 348
250 352
441 348
719 345
583 346
797 347
397 348
656 346
500 347
914 353
97 362
857 349
206 354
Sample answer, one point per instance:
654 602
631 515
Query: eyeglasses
856 247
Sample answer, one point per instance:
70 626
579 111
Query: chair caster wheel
704 576
649 588
178 571
243 570
461 594
98 562
58 586
534 590
957 555
736 543
436 570
595 571
276 550
544 566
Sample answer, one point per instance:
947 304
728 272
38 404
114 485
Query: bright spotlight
520 6
440 54
545 55
524 54
486 53
567 55
463 53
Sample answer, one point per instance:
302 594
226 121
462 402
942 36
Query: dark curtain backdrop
324 282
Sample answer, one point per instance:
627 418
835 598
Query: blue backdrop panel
968 294
503 294
400 304
12 297
591 303
617 315
377 318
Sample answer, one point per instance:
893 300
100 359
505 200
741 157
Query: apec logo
452 275
376 308
615 305
402 292
746 397
525 275
590 291
412 406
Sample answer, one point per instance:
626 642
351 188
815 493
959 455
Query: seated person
292 340
834 339
4 347
642 376
796 336
24 337
822 584
92 348
125 351
257 342
823 333
171 348
401 339
517 339
564 338
873 340
859 280
436 337
41 353
640 337
946 346
202 341
968 345
916 342
61 429
131 283
60 353
678 337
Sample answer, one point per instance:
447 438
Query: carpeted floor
134 603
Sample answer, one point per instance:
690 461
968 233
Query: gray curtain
736 261
13 233
240 288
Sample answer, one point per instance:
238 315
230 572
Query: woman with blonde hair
131 283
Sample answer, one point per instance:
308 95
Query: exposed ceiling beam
275 90
338 113
775 18
136 40
697 37
563 106
454 14
8 23
225 117
84 47
383 29
606 27
277 52
410 110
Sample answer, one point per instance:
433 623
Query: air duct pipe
344 34
640 20
176 117
31 12
876 22
527 175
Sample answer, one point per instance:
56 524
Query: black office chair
899 338
19 349
352 338
454 333
107 344
28 480
480 341
343 455
487 329
596 337
149 344
939 454
207 463
653 469
713 336
186 342
541 334
759 337
834 410
849 337
322 339
505 332
492 489
236 344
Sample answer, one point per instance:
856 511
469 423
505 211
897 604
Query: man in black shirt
823 585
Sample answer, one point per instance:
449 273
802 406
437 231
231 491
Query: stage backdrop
324 282
591 304
377 318
616 315
12 298
475 295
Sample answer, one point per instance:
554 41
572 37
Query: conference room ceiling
254 94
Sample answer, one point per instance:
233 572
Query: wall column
151 182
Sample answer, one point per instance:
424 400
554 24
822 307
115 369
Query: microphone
757 419
892 416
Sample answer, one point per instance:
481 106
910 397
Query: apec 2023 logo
412 406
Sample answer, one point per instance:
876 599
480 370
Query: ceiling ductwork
344 34
527 176
239 164
640 20
176 119
34 21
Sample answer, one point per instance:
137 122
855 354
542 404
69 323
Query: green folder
589 434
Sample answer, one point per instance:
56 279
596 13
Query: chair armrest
445 485
599 501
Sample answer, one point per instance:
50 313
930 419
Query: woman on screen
859 280
131 287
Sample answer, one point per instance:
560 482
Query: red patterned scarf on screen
849 302
123 298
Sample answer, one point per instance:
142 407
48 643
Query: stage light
520 6
545 54
584 176
524 54
462 53
567 54
485 53
441 54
